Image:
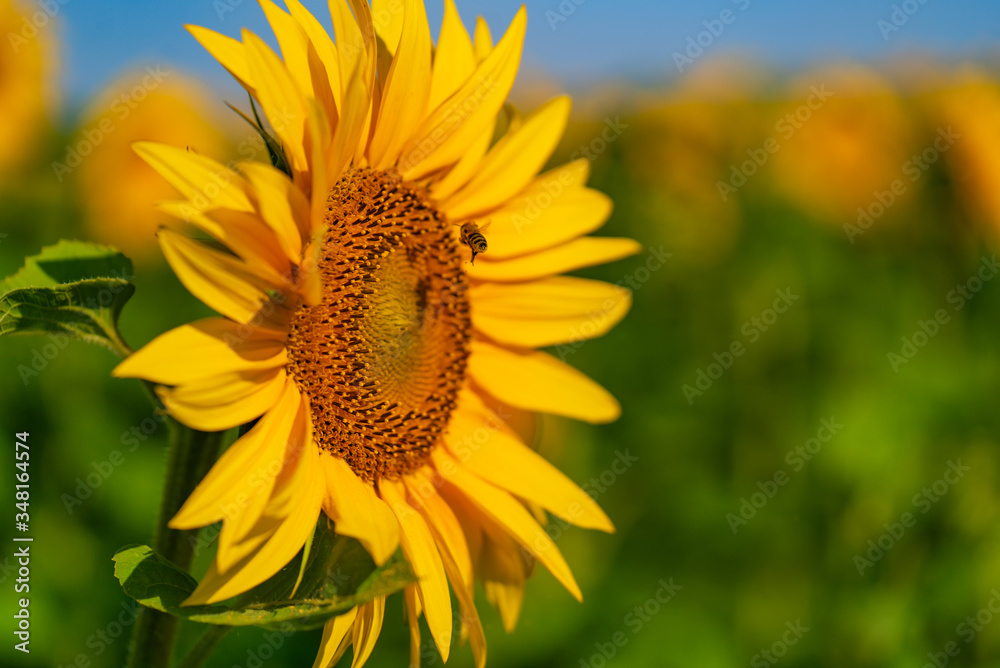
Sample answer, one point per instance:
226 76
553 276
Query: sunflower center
383 356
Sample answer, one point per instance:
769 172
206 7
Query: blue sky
574 41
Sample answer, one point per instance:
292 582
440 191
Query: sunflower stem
197 655
190 456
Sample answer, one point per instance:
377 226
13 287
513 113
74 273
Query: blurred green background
826 497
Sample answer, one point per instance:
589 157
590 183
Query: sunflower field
805 470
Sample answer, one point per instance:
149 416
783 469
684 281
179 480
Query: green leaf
338 576
73 288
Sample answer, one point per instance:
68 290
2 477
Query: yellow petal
454 58
553 209
293 44
224 401
297 522
501 563
222 281
319 191
270 481
280 98
512 163
524 424
352 45
423 496
479 440
204 348
413 620
537 221
365 51
422 553
335 639
325 49
549 311
323 97
357 511
243 233
387 16
449 130
504 568
307 63
355 110
206 183
367 627
576 254
470 519
362 11
484 41
220 389
568 176
465 168
253 457
228 51
382 66
309 280
510 514
537 381
507 598
511 117
454 555
404 96
471 622
573 173
281 205
308 53
363 24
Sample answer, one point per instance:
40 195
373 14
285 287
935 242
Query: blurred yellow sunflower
115 185
356 327
843 141
967 108
27 81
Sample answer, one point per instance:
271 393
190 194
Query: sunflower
862 129
115 185
28 83
383 366
967 103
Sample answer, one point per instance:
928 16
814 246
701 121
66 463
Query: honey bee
472 236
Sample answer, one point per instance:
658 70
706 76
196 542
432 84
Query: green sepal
274 149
